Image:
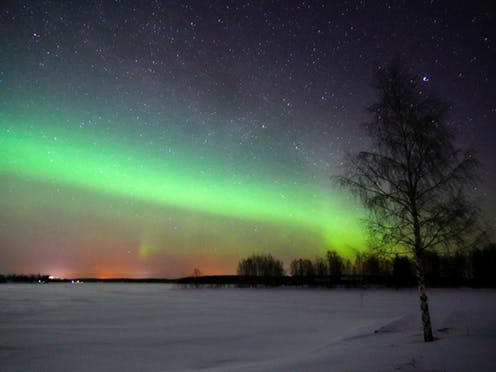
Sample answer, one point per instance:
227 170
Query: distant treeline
473 268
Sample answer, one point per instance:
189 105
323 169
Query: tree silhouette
260 265
334 263
483 265
415 181
320 267
302 267
402 271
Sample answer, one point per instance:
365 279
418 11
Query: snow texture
157 327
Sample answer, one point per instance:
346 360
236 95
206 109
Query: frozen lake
160 327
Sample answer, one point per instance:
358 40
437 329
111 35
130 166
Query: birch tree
415 182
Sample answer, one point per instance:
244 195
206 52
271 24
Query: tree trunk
424 306
419 263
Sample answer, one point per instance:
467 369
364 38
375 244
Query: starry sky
146 139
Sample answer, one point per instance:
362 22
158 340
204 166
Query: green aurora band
178 177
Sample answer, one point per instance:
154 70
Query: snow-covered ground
158 327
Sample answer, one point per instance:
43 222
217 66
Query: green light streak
178 179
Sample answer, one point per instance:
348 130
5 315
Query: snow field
160 327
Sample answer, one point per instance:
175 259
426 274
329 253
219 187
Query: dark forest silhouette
260 265
471 268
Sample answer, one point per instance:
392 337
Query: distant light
425 79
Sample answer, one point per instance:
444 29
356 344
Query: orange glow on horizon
103 265
116 272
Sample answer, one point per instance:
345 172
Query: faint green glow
176 178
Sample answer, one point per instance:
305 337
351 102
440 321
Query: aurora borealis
191 181
165 179
152 139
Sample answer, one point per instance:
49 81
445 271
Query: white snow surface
159 327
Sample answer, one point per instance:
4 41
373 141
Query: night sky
145 139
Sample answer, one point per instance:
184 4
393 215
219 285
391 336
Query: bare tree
302 267
334 263
415 181
260 265
320 267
